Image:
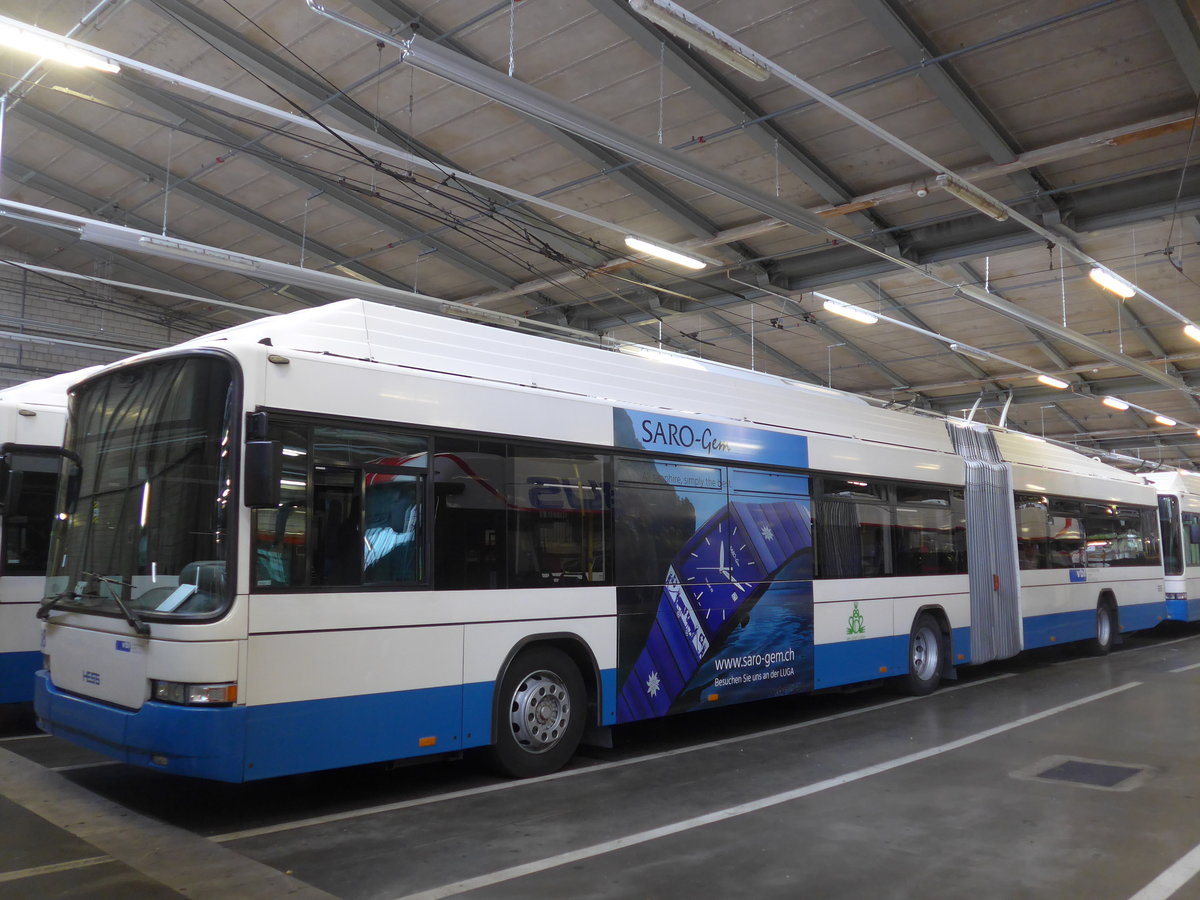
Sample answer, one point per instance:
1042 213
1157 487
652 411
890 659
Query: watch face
713 571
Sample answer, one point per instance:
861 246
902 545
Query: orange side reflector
712 698
883 669
1053 639
427 742
962 656
995 582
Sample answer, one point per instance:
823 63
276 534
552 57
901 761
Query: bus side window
470 533
853 523
337 526
1033 532
27 520
1191 538
557 519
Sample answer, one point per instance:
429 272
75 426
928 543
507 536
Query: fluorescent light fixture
972 196
1051 381
967 350
1115 403
674 256
1165 420
1192 331
1111 282
857 313
37 42
192 252
678 21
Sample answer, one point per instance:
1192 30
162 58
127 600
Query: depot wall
41 316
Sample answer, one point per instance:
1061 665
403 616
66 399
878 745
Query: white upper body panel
368 360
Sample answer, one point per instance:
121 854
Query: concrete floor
854 795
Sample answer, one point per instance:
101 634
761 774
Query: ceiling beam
1178 26
914 47
396 16
287 79
155 173
722 97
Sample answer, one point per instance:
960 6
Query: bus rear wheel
926 656
1106 627
541 714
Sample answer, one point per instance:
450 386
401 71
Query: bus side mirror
264 467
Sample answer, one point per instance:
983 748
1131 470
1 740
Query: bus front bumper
203 742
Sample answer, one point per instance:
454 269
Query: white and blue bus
1179 516
358 533
32 419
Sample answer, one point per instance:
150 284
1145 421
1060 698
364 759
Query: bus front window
149 528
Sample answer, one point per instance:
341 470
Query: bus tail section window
1119 536
1067 549
1033 532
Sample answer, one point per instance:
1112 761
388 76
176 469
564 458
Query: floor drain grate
1090 773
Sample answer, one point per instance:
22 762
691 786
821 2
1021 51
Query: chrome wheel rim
540 711
1103 627
925 654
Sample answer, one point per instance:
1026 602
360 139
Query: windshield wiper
139 625
49 603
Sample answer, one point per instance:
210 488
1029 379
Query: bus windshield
147 536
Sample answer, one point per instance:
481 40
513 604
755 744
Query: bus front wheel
926 656
541 714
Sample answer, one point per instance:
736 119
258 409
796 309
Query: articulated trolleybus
359 533
33 416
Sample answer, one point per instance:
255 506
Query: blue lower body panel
1061 628
848 662
16 675
1182 609
1140 616
246 743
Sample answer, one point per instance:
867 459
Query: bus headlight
193 694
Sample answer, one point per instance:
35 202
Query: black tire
926 656
540 710
1106 629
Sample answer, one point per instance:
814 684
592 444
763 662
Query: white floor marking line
1172 879
722 815
23 737
583 770
21 874
91 765
1068 662
1185 668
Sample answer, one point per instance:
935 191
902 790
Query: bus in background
1179 518
358 533
32 418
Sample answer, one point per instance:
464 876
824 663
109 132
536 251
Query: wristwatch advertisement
703 645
